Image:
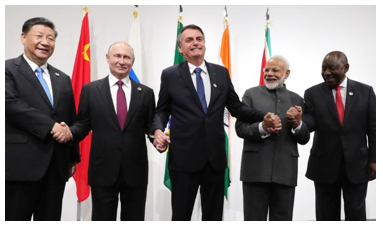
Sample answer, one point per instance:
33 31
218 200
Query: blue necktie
44 83
200 89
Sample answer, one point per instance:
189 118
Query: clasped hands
61 132
294 116
161 140
272 123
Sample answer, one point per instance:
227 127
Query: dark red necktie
122 109
339 104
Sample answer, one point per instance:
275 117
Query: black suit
269 166
197 148
36 167
340 155
118 158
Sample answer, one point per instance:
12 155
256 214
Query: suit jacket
29 118
335 145
275 158
196 137
114 151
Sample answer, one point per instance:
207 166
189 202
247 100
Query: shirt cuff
262 132
296 130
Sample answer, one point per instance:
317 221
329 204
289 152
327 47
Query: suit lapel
350 99
215 92
185 73
55 80
135 99
329 99
104 89
27 72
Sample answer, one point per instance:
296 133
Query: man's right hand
161 140
271 123
61 132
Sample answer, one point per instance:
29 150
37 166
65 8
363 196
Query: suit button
279 101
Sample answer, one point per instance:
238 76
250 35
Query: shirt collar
113 80
344 83
34 66
193 67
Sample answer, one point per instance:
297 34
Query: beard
275 85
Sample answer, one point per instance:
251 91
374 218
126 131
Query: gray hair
283 59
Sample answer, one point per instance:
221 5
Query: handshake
272 123
61 132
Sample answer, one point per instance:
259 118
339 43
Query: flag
80 77
135 43
228 119
178 58
266 50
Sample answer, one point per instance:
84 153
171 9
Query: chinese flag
80 77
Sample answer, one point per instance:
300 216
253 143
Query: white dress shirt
126 87
46 76
205 78
343 92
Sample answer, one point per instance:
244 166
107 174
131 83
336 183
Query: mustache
270 77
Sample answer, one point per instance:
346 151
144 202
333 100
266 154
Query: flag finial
180 14
85 9
225 20
135 12
267 14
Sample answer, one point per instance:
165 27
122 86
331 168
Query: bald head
120 58
121 44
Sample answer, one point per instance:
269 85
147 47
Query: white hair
279 57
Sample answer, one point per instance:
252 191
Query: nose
44 41
326 72
121 61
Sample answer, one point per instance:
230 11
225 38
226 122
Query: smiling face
334 69
39 43
120 59
192 46
275 73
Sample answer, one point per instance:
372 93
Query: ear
23 37
107 58
287 74
346 67
180 50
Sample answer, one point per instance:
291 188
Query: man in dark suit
342 112
119 112
37 96
195 94
270 160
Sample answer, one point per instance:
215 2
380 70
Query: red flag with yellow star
80 77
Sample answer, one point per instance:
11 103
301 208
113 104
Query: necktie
339 104
122 109
200 89
44 84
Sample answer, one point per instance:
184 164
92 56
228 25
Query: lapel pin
215 85
139 89
350 93
57 74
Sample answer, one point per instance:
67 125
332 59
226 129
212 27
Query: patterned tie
122 110
200 89
339 104
44 84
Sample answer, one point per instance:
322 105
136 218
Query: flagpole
225 58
